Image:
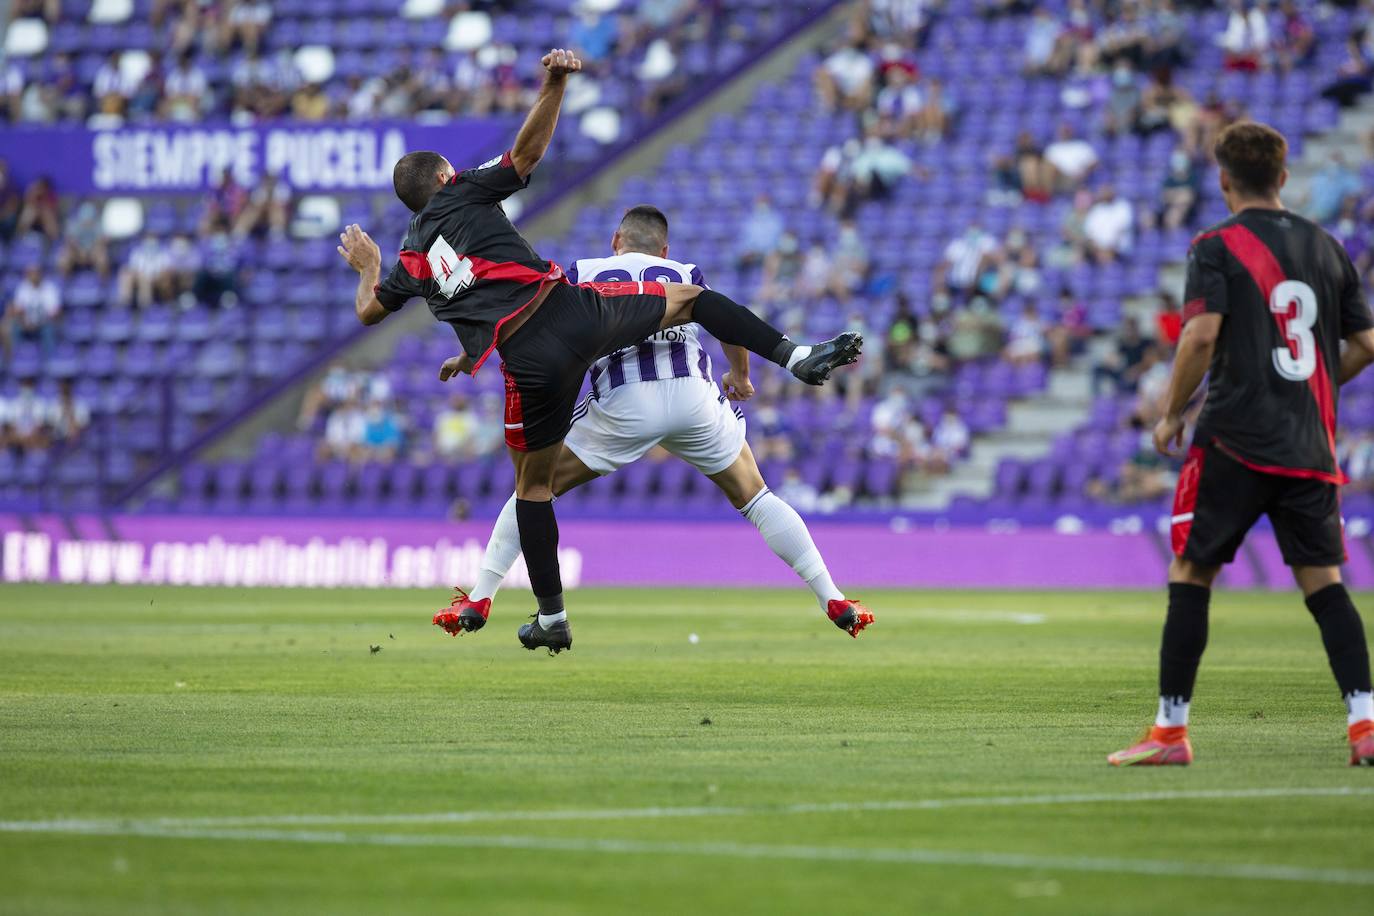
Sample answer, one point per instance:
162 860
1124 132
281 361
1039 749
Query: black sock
1343 636
1185 638
731 323
539 543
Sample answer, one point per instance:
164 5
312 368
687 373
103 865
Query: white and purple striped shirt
671 353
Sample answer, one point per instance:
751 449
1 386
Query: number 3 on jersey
451 272
1297 361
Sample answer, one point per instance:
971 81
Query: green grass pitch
240 751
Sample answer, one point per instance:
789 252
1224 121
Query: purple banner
190 158
406 553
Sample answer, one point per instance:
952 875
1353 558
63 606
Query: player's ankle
1169 734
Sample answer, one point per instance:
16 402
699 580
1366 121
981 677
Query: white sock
1359 706
797 356
502 551
1173 712
548 620
785 532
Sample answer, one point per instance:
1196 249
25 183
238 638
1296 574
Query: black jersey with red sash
1290 295
463 256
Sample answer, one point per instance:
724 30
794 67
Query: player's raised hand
358 249
737 388
561 62
1169 436
454 365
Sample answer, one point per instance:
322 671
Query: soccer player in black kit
1270 297
478 274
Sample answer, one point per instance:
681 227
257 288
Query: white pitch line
81 825
736 851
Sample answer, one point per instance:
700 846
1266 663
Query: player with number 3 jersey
1270 298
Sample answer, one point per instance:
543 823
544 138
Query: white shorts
687 416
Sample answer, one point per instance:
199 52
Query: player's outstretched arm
362 254
533 140
1191 363
1358 354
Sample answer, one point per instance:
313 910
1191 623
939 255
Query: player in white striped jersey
661 392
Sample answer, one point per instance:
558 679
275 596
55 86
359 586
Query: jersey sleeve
1205 288
696 279
489 183
404 282
572 273
1355 316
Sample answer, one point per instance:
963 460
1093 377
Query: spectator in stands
455 429
834 182
781 268
1246 38
84 246
186 92
1072 159
11 203
1165 105
1042 43
1122 110
594 32
797 493
817 275
1144 478
148 90
216 282
1034 173
760 233
310 103
1072 248
1018 267
899 104
976 331
24 419
33 312
1215 115
876 170
949 442
1026 338
907 21
1165 32
965 260
49 10
1070 334
70 415
1124 37
849 263
1356 452
183 263
345 432
147 275
1127 360
889 419
1296 42
1354 75
1178 199
113 86
245 23
267 211
40 211
12 91
383 434
937 113
845 78
1109 226
1331 186
223 206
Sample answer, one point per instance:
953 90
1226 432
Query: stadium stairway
550 216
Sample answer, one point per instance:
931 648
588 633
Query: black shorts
1219 500
545 361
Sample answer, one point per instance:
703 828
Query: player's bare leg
731 323
1343 636
1185 639
785 532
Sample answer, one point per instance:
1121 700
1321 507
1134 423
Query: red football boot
1362 743
850 616
463 615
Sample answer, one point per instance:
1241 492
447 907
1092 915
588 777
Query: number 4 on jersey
1297 361
451 272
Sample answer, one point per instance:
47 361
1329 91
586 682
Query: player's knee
1190 573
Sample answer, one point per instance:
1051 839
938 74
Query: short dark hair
413 178
1254 155
644 228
